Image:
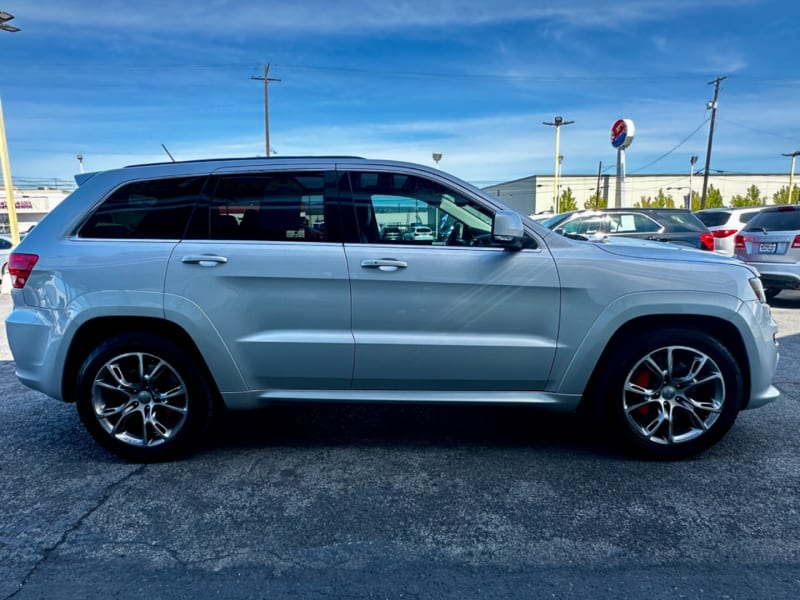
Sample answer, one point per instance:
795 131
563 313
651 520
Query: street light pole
557 123
692 161
791 172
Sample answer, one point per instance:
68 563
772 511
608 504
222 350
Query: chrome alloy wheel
673 395
140 399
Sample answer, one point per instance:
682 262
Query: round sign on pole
622 133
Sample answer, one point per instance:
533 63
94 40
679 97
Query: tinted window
155 209
746 216
4 244
780 220
681 221
713 219
287 207
422 211
588 225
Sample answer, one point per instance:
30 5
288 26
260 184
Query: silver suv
155 294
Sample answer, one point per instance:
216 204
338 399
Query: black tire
670 393
771 292
142 397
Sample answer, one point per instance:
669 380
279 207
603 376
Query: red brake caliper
642 379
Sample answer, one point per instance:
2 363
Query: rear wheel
142 397
671 393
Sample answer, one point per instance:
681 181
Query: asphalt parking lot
399 502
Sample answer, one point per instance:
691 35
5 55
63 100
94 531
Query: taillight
20 267
796 242
723 233
739 242
707 239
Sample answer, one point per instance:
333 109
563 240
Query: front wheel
142 397
671 393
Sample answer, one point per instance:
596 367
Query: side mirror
507 230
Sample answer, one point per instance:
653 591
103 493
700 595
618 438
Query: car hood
647 249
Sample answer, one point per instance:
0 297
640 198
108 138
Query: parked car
770 242
5 249
391 233
145 301
675 225
725 223
419 233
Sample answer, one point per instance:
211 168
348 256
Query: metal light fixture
4 18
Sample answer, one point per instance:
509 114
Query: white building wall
535 193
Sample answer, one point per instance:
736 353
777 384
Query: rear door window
282 207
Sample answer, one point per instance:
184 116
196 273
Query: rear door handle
204 260
384 264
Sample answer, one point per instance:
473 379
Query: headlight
758 289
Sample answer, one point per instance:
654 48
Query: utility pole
599 176
794 156
266 79
713 106
557 123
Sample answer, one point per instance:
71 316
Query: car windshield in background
682 221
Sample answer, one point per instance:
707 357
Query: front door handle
204 260
384 264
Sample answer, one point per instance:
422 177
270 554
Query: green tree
567 201
596 200
782 195
662 200
751 198
713 198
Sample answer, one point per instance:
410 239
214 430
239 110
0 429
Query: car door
263 268
449 313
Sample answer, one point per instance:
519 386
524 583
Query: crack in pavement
108 491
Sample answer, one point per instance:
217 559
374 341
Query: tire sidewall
198 395
627 354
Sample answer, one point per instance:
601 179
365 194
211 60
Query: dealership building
31 204
535 194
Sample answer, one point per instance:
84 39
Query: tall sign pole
622 132
6 167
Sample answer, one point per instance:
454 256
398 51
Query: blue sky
474 81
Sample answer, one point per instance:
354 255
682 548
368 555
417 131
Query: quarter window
154 209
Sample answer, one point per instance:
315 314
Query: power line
663 156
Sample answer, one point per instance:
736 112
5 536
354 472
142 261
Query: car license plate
767 248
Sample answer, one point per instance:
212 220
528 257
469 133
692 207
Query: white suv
725 223
154 294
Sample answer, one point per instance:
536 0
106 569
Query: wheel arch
719 328
94 332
